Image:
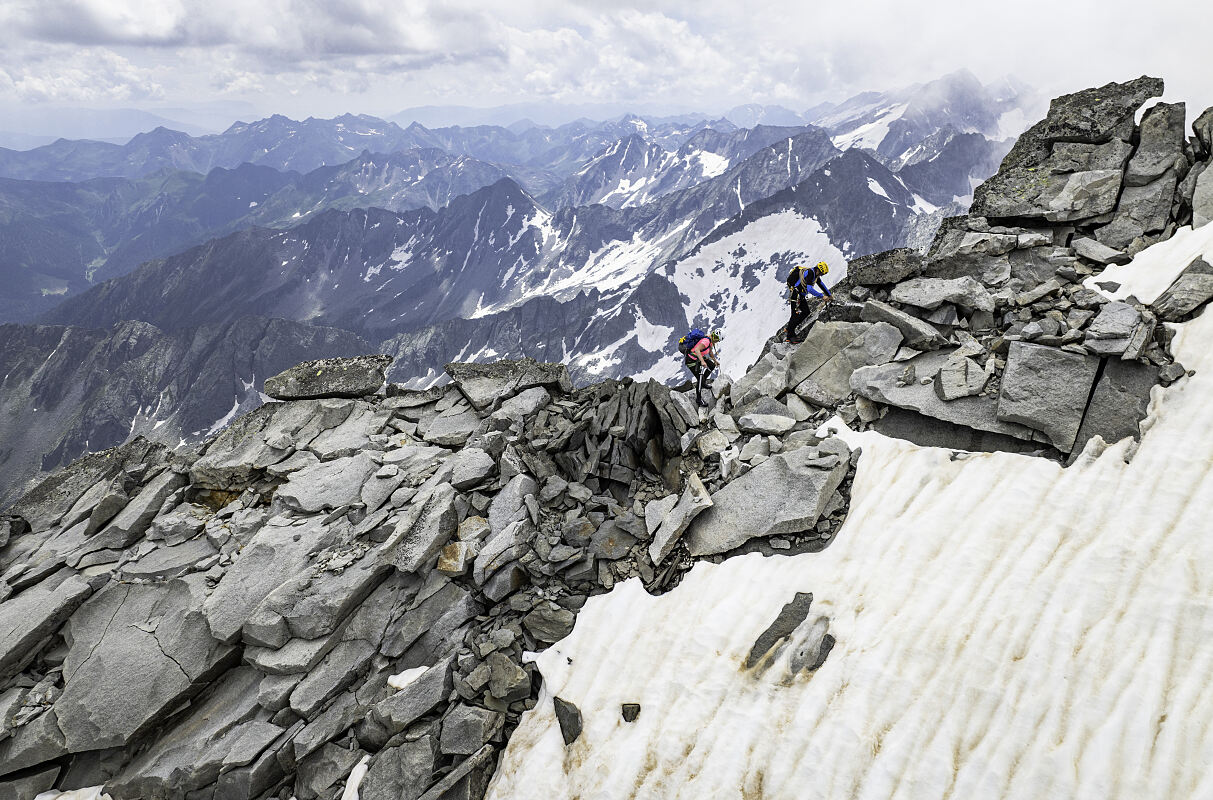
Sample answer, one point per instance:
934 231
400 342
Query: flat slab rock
330 377
1047 389
784 494
484 384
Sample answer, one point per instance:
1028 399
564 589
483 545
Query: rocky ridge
1007 342
336 581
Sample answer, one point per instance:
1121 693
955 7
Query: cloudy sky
325 57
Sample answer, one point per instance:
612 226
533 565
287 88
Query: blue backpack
690 340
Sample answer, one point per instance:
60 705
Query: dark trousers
800 312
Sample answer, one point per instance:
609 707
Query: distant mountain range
153 265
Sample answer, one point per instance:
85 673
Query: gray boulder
398 711
917 334
784 494
1161 143
568 716
523 405
424 529
1203 128
1118 404
451 428
886 384
402 772
224 731
1098 252
823 341
1142 210
31 616
930 293
509 503
30 785
1191 290
1202 199
330 377
1092 115
328 484
675 517
465 729
323 769
276 552
1069 165
485 384
1046 389
891 266
470 466
548 622
766 423
1118 329
829 385
171 561
507 681
126 630
790 617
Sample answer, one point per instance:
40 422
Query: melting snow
1154 269
223 421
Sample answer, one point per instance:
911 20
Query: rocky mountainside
465 282
636 170
335 592
65 237
378 273
71 390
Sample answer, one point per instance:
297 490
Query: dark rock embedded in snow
1188 292
790 616
569 718
630 711
330 377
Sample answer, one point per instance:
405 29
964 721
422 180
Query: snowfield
736 283
1005 628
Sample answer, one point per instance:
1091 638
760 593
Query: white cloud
71 75
382 55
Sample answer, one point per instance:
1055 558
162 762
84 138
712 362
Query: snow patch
1154 269
871 134
736 283
875 187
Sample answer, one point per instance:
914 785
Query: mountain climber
701 359
802 282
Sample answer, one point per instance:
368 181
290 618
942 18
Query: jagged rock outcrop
1006 340
336 586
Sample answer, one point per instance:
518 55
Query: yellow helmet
823 268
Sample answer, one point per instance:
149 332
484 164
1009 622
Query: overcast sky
325 57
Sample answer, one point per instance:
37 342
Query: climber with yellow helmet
802 282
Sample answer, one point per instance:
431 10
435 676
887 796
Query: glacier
1005 627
